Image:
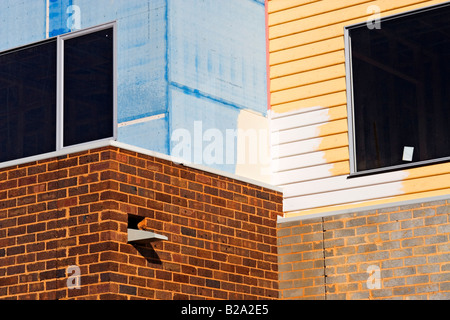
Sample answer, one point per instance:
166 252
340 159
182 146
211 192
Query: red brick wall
331 257
74 210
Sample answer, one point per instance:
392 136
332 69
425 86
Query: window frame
60 82
59 133
350 102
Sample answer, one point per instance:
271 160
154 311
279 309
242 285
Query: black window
29 106
28 101
88 87
400 89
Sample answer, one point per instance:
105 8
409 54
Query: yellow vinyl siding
311 63
279 5
333 141
305 51
308 77
307 37
327 101
308 91
307 72
306 10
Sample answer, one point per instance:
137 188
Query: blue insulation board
191 117
151 135
21 22
59 17
217 47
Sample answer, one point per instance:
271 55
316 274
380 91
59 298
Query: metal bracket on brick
136 236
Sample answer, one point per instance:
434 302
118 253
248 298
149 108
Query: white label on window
408 153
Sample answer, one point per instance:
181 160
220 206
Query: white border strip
121 145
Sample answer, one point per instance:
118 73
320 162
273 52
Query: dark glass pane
401 89
88 87
28 101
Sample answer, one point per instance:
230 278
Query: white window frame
60 82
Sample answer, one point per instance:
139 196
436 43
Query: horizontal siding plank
311 9
309 132
325 101
308 77
309 118
308 91
309 36
349 10
324 186
316 62
300 119
310 173
279 5
421 180
429 171
337 29
302 174
319 21
312 159
340 197
305 51
366 193
435 182
310 145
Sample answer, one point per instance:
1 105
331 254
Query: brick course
75 210
328 258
